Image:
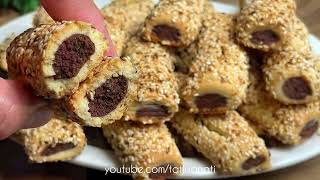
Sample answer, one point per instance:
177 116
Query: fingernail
39 117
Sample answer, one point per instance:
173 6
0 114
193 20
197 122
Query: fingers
19 108
81 10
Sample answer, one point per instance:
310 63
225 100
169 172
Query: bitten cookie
266 24
58 140
124 18
157 97
150 147
175 22
227 141
55 58
106 94
219 70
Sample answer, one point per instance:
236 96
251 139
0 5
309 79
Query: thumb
19 108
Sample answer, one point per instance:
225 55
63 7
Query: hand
19 108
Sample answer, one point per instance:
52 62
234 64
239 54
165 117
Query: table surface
14 164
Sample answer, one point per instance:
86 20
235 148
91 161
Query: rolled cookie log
292 77
150 147
290 125
175 22
58 140
55 58
157 97
227 141
41 17
106 94
266 24
124 18
219 71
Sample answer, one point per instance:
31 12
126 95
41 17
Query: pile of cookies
220 85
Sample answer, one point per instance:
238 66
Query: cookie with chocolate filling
267 24
106 94
58 140
55 58
174 22
292 77
157 95
288 124
218 75
145 146
227 141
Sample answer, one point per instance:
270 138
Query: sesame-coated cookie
292 77
58 140
106 94
55 58
288 124
266 24
219 70
157 97
175 22
150 147
124 18
41 17
227 141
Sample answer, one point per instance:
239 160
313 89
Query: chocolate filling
154 110
296 88
163 171
266 37
253 162
210 101
309 129
108 96
71 55
58 148
165 32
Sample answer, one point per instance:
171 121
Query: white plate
100 159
